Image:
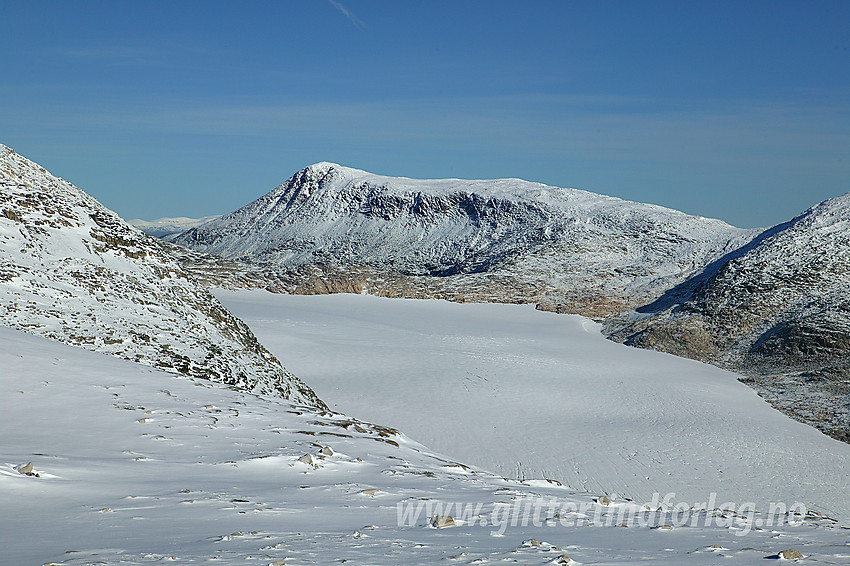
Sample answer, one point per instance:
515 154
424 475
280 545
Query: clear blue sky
736 110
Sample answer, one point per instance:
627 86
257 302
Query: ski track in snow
529 394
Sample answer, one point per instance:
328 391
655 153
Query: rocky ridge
74 271
776 310
504 240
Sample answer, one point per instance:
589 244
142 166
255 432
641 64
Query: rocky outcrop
74 271
776 310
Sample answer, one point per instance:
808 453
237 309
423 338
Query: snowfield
530 394
132 465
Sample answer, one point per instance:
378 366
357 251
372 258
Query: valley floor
137 466
530 394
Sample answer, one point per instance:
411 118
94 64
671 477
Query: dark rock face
504 240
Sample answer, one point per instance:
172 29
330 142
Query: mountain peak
513 240
323 166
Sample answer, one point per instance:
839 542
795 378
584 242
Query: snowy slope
777 309
168 228
529 394
138 466
502 240
73 271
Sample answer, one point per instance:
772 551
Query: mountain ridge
506 240
777 310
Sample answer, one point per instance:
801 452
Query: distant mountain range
74 271
167 228
770 304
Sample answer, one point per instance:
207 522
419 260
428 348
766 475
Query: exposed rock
73 271
306 459
442 521
790 554
503 240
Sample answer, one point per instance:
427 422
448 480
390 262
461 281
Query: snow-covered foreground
137 466
529 394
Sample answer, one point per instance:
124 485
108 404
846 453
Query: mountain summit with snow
504 240
74 271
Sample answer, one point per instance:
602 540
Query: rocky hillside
334 228
74 271
778 309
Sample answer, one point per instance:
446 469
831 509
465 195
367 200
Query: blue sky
736 110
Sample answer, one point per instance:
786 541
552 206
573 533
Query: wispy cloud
587 128
133 56
164 54
351 17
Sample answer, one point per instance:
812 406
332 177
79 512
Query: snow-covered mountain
777 309
503 240
73 271
98 451
168 228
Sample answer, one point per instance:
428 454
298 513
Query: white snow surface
530 394
559 240
137 466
